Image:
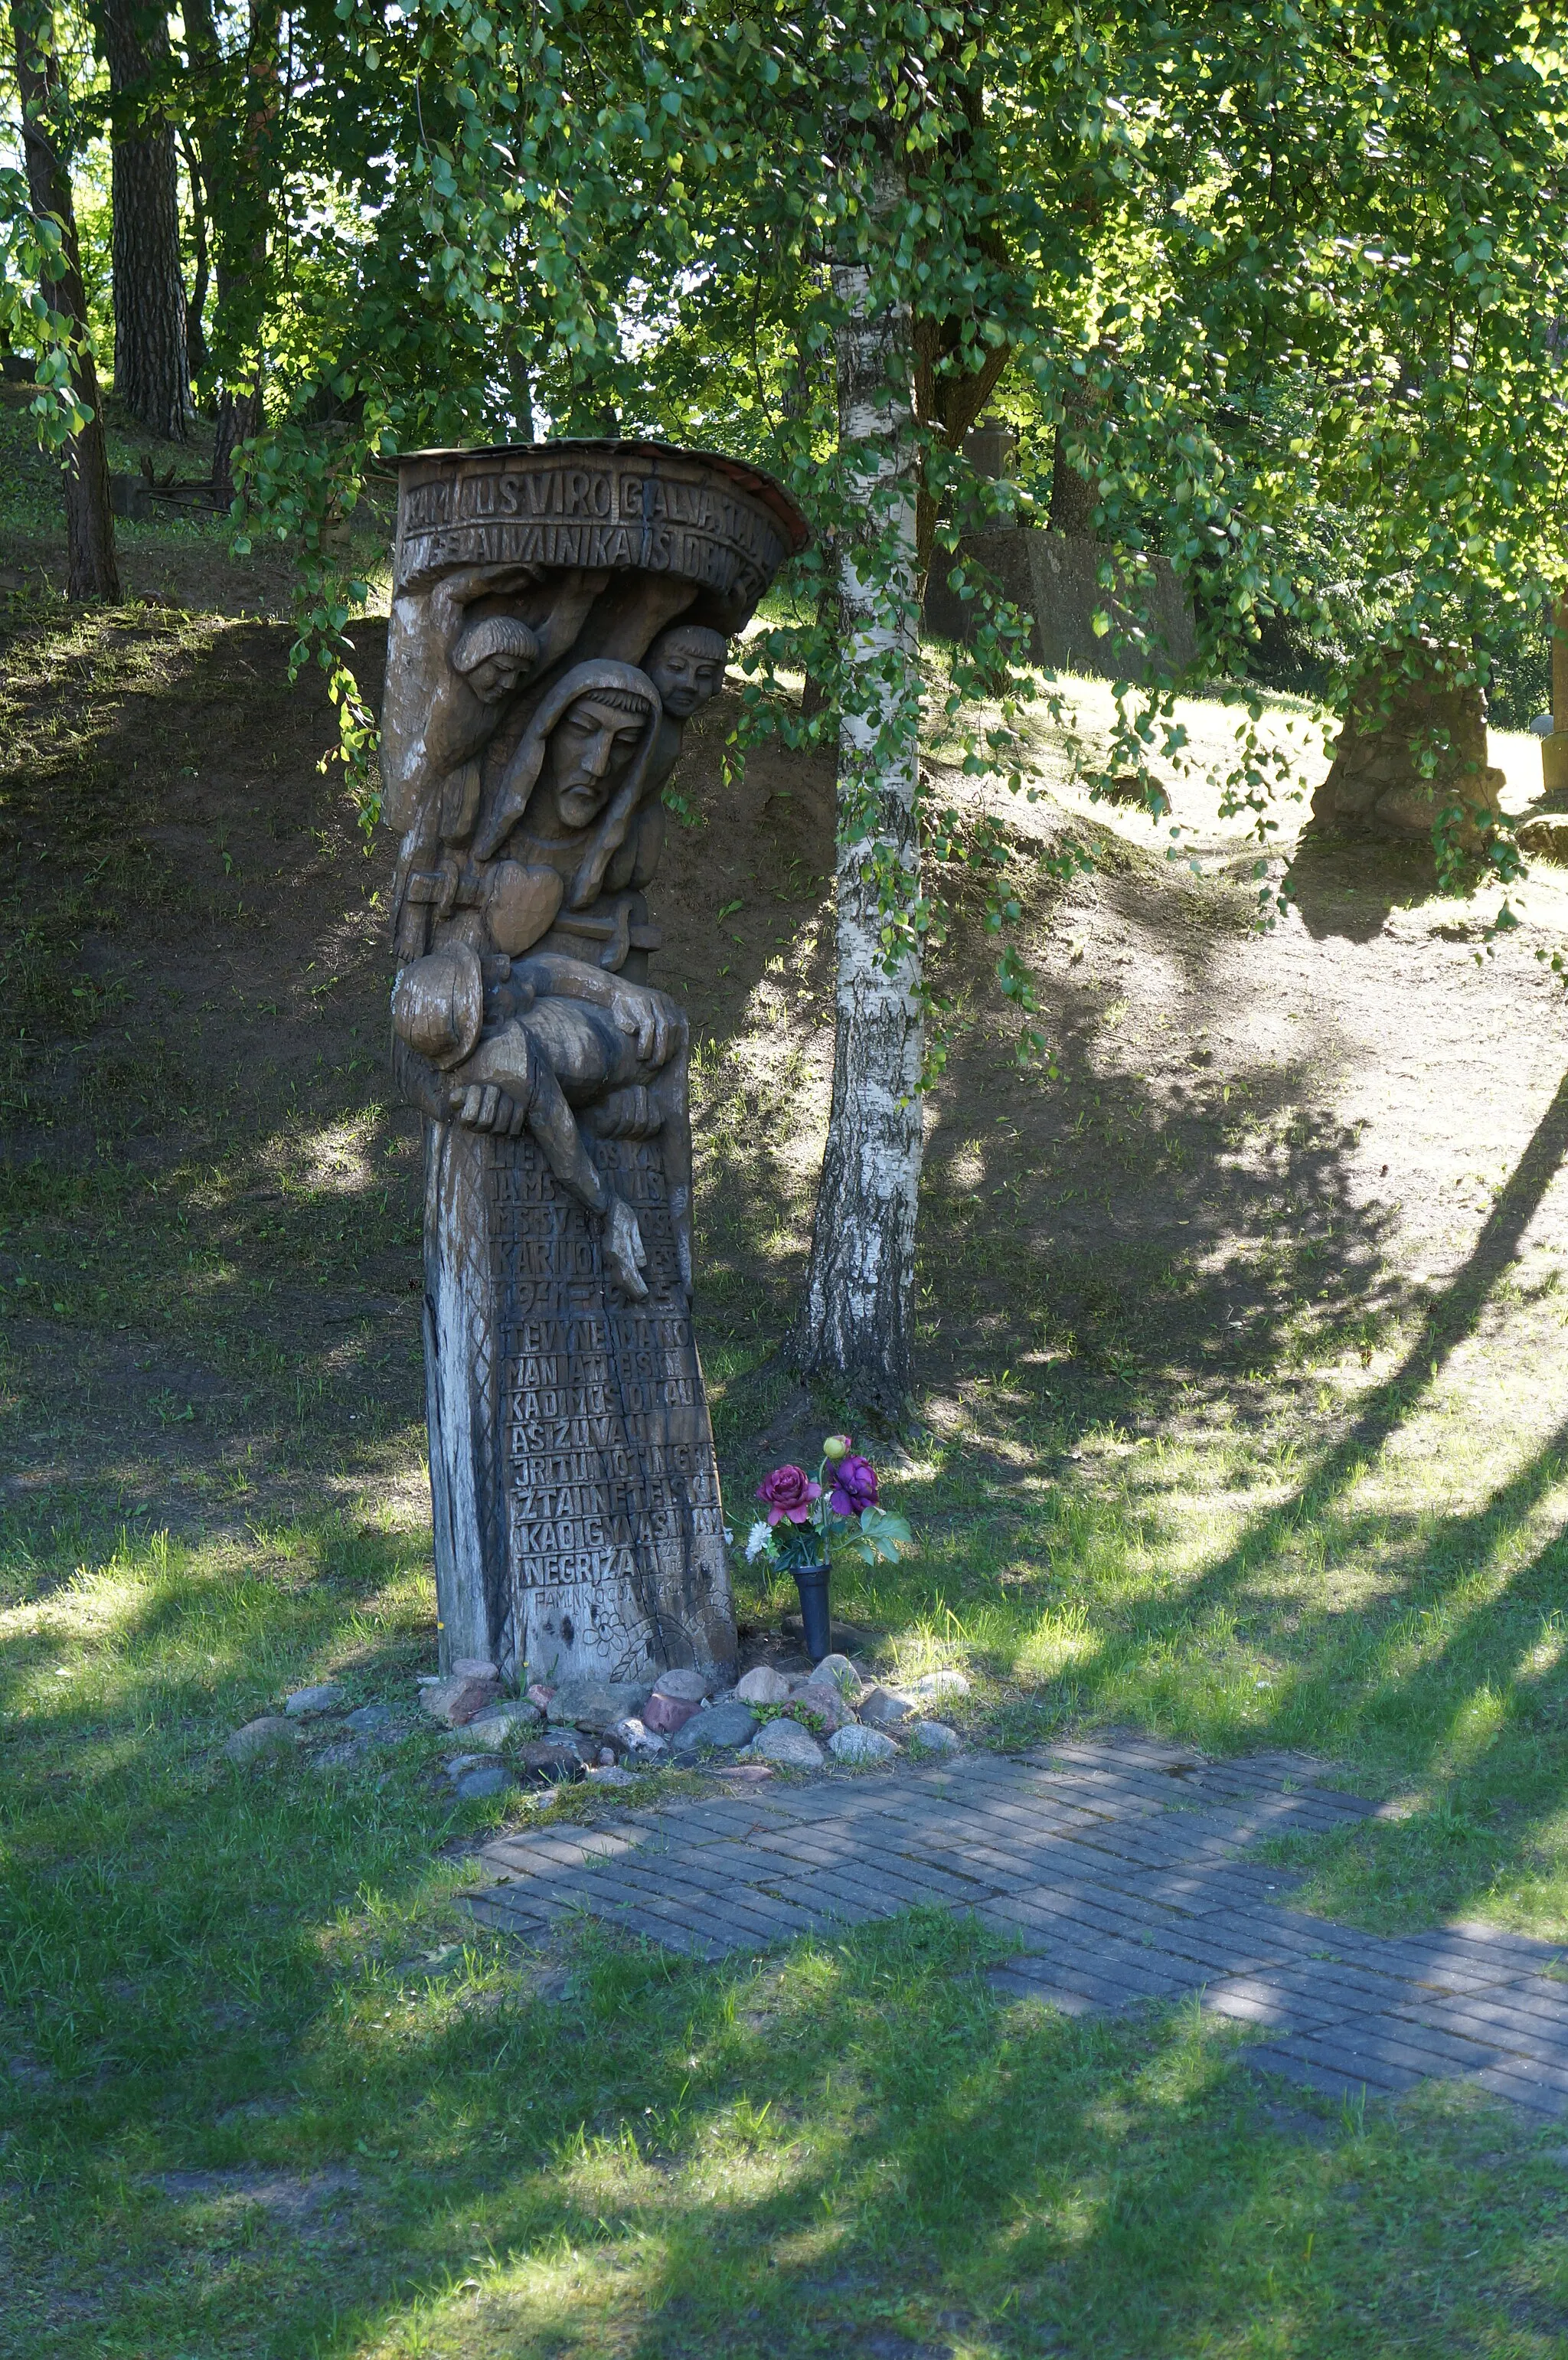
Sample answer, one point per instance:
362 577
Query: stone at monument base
1054 578
1378 786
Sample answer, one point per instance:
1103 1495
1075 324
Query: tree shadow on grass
1459 1681
780 2158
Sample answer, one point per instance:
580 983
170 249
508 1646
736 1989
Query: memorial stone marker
559 613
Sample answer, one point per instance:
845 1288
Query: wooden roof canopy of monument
638 506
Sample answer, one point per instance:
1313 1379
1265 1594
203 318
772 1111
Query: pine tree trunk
92 571
150 360
854 1327
240 191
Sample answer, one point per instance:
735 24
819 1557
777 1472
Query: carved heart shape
521 904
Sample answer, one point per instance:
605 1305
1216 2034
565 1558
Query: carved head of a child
686 664
493 655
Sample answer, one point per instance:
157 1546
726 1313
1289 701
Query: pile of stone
613 1732
321 1710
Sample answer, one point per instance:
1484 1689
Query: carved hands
652 1020
624 1253
484 1107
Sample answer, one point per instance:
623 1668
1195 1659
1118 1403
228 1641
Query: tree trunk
92 571
150 360
854 1327
239 183
201 269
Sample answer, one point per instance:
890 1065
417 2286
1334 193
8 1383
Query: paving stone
1521 2084
1125 1884
1351 2048
1311 2073
1014 1982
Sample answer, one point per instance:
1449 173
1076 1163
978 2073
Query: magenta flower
854 1486
789 1493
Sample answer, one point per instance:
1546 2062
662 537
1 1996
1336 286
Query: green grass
214 1973
1245 1482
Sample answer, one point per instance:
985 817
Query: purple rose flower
854 1486
789 1493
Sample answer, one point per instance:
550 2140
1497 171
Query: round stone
690 1687
788 1744
883 1708
857 1745
324 1698
485 1779
837 1672
762 1684
944 1683
263 1740
724 1726
932 1737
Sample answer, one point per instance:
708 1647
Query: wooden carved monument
559 614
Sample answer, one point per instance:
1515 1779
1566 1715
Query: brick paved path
1119 1866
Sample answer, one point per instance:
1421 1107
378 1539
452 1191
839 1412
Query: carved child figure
686 665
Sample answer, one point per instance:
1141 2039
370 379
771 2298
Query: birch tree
854 1325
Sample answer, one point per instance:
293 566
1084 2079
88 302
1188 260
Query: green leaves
881 1536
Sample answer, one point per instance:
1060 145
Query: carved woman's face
591 748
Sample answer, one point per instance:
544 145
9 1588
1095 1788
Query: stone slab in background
1545 836
1054 577
1379 783
843 1637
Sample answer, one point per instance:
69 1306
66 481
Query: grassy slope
1199 1450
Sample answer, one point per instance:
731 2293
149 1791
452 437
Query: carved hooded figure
579 766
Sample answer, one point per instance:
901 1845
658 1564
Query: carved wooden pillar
559 613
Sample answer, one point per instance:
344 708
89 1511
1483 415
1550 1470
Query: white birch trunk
854 1328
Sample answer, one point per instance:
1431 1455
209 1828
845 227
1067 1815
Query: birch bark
854 1327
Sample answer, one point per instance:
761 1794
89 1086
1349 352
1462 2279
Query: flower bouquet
797 1530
